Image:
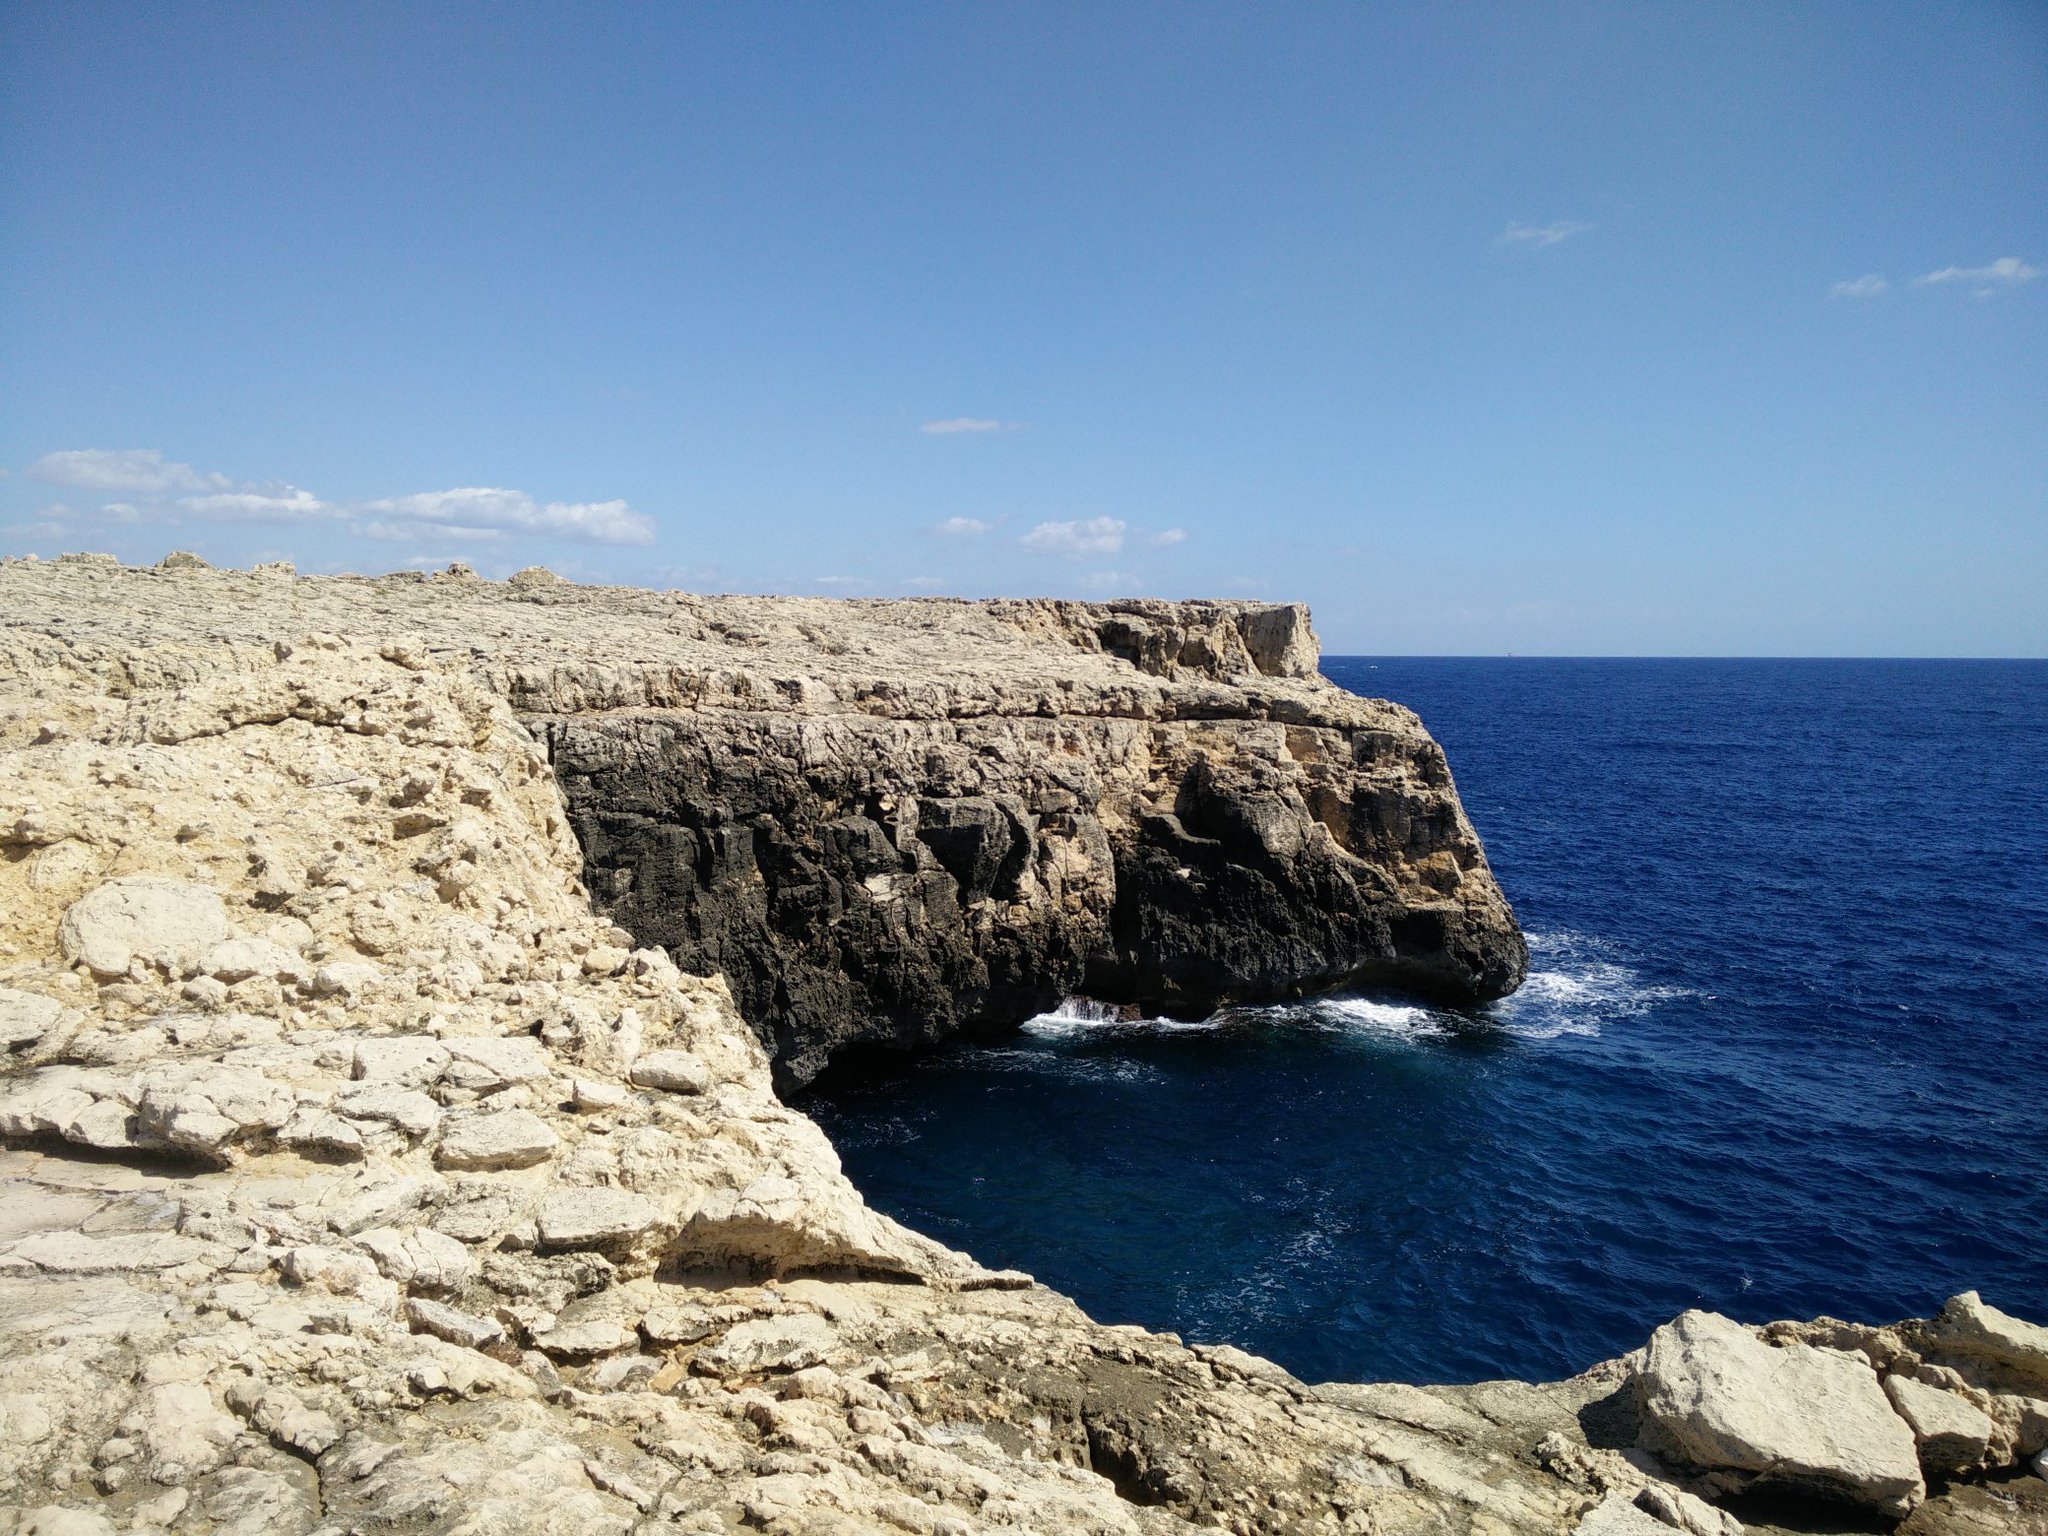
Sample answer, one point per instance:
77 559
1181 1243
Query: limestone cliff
952 815
891 820
357 1176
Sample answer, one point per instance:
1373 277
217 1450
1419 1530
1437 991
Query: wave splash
1581 985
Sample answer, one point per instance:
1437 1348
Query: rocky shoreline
394 977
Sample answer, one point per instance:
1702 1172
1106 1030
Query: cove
1778 1053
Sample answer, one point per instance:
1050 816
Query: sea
1783 1050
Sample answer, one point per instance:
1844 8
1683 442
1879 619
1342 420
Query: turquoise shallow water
1784 1049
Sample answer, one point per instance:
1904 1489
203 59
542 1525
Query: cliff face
1154 804
357 1177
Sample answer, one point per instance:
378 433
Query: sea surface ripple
1783 1050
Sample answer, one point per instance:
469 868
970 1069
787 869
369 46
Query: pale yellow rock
508 1138
1952 1433
338 768
146 919
1717 1398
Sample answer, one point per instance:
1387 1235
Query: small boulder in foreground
1797 1418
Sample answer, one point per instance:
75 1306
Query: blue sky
1549 328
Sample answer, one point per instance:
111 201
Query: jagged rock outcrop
357 1176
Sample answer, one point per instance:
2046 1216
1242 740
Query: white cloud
961 527
2004 272
1868 286
1076 540
143 470
279 504
954 425
839 581
924 583
42 530
418 533
1167 538
1542 235
491 507
470 512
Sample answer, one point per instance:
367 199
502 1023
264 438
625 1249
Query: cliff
361 1176
891 820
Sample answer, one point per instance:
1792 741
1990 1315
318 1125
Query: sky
1544 328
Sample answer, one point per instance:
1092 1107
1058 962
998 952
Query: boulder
167 922
1952 1434
1815 1421
418 1258
1970 1326
403 1109
487 1065
770 1344
452 1326
238 959
25 1017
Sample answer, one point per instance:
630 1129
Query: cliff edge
892 820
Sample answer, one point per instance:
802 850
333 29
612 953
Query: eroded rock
172 924
1717 1398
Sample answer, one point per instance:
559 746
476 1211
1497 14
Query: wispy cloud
953 425
1542 235
961 527
1868 286
2006 272
841 582
421 533
1076 540
1166 538
278 504
163 490
480 506
923 583
142 470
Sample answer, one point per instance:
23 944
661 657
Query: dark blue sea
1784 1049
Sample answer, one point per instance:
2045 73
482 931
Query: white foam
1581 988
1083 1015
1398 1021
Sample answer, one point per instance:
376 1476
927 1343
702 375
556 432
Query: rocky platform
362 1176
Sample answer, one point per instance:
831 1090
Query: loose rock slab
1952 1434
1802 1418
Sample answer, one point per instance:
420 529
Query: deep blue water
1784 1050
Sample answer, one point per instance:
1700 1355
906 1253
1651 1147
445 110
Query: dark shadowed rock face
1196 819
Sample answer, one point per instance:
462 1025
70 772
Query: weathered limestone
1966 1324
1716 1397
142 919
1951 1433
416 1198
879 821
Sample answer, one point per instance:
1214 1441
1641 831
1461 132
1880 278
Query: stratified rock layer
356 1176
